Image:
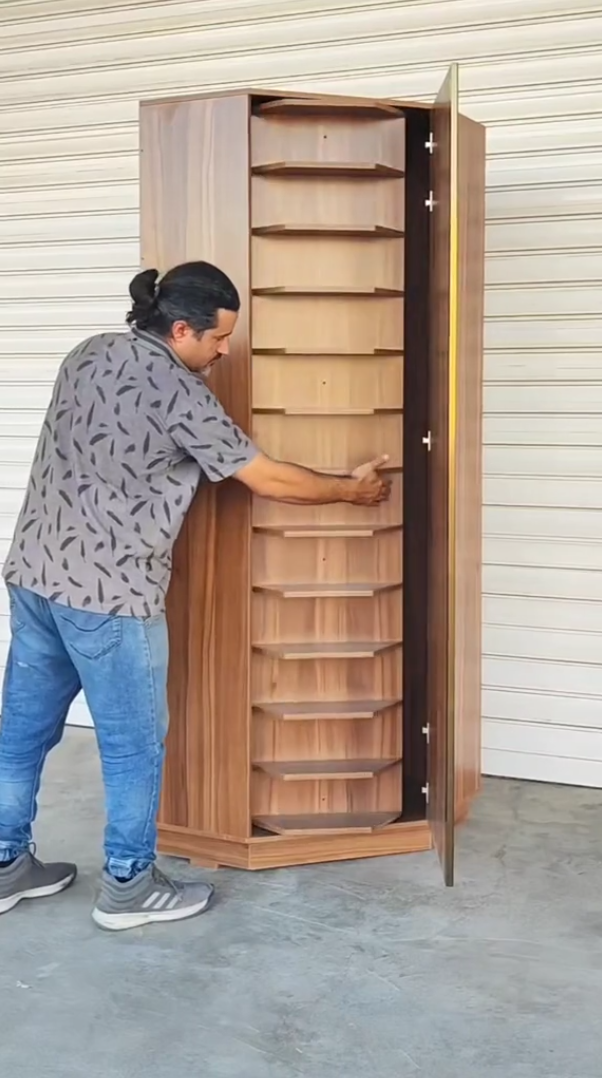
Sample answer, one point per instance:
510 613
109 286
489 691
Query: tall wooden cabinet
325 671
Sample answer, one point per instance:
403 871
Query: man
130 430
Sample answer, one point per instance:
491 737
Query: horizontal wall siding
71 75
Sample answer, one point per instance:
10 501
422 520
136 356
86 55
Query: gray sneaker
29 878
151 896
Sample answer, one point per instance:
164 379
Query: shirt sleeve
199 425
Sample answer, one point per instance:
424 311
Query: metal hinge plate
426 730
430 145
430 202
426 790
428 441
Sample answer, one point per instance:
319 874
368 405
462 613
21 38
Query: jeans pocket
17 621
90 635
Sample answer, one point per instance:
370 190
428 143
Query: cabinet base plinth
280 851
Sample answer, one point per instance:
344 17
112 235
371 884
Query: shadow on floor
368 968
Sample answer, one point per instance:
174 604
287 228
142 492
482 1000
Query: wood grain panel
456 373
328 138
332 201
262 852
324 382
330 443
411 837
317 261
441 567
371 791
471 202
323 679
347 739
315 620
195 205
303 324
326 560
386 107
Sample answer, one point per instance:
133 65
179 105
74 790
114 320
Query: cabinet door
455 395
442 421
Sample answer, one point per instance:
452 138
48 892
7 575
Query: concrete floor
367 968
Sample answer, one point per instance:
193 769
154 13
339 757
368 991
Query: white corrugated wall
71 75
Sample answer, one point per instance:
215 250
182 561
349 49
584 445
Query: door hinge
426 791
430 145
426 730
428 441
430 202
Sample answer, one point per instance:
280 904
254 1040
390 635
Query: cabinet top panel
262 98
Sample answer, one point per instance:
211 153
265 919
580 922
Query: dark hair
193 292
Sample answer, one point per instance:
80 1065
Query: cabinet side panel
471 229
195 205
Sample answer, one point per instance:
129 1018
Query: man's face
199 353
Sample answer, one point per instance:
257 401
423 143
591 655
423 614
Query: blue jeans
121 665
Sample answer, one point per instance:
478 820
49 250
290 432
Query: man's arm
283 482
199 425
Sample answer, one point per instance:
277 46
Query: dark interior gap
415 462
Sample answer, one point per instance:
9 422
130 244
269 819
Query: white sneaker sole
119 922
7 904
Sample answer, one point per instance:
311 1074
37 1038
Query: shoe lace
160 878
33 849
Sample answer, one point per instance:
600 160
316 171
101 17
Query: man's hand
283 482
370 487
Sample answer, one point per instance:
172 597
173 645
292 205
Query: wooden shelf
293 106
327 290
326 591
369 169
328 823
323 770
326 352
331 710
386 468
369 231
336 650
325 531
327 411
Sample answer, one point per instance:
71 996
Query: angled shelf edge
293 106
328 290
325 709
326 531
363 169
328 823
327 591
328 411
336 650
385 468
324 770
331 352
369 231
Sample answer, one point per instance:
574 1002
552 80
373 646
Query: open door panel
468 462
455 484
442 493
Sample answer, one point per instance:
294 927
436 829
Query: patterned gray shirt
128 435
